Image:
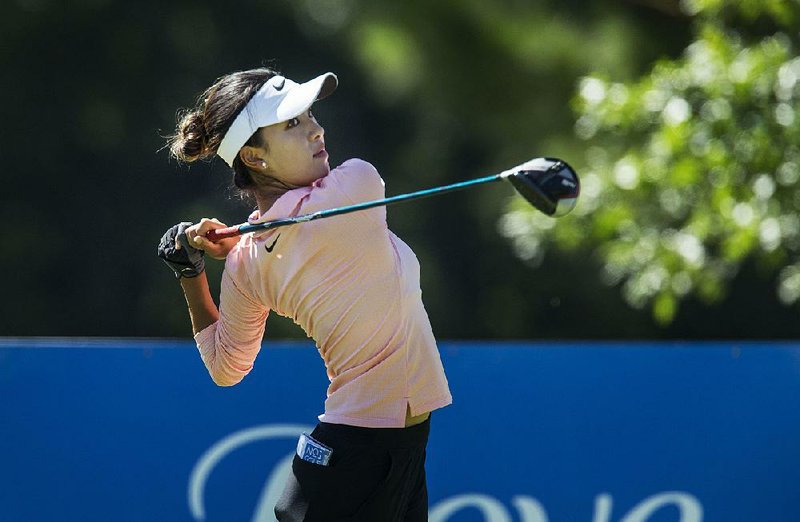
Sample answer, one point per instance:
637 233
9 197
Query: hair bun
191 142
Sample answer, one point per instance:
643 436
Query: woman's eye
311 115
294 122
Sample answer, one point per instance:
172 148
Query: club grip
221 233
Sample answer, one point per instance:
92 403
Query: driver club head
549 184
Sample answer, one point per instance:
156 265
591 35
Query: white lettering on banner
209 460
265 512
529 509
688 506
491 509
602 508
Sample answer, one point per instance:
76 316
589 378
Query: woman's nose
316 131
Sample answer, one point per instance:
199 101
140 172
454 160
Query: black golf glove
186 261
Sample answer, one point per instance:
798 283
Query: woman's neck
265 201
268 190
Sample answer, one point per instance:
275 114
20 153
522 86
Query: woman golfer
348 281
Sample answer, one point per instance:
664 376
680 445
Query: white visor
279 99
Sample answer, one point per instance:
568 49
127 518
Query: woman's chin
324 170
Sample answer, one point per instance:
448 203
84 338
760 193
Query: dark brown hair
200 130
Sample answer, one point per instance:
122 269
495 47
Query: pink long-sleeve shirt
352 285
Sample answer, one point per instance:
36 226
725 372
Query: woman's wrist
202 309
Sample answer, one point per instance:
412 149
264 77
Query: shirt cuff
206 338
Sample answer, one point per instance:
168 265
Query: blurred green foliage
689 166
692 169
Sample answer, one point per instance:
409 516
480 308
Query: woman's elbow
224 381
225 370
226 378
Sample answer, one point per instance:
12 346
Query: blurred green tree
693 169
469 87
431 92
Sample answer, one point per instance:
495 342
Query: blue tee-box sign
570 432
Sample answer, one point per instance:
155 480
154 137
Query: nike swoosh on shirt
270 247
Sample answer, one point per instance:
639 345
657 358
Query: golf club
549 184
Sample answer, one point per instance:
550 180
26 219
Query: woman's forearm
202 309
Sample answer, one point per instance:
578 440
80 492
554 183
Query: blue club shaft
247 227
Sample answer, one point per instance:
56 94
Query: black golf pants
374 475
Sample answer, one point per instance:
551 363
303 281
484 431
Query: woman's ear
253 158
